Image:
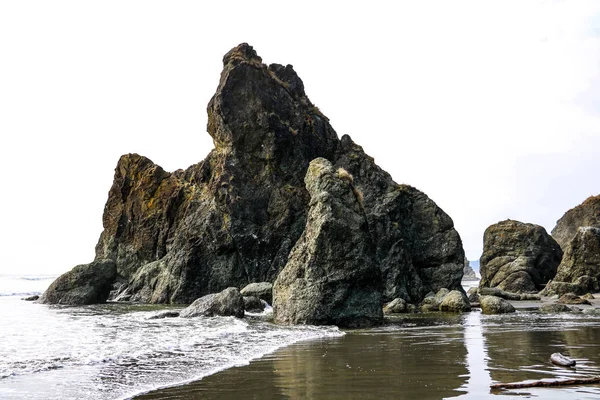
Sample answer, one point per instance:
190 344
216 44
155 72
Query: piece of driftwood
561 360
561 382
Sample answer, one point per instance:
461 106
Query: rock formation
331 277
84 284
228 302
585 214
495 305
234 218
518 257
578 232
468 273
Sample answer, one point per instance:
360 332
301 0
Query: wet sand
430 356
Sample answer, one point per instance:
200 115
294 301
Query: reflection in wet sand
479 381
418 357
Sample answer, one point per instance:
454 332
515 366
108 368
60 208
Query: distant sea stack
235 217
518 257
468 273
578 233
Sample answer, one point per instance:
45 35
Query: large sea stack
578 233
518 257
234 218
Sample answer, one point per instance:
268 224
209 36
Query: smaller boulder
165 314
84 284
253 304
229 302
588 296
572 298
552 308
495 305
262 290
455 301
396 306
31 298
473 295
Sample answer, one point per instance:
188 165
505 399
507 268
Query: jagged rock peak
241 53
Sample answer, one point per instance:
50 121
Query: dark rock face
234 218
579 271
585 214
518 257
262 290
417 246
84 284
229 302
331 277
253 304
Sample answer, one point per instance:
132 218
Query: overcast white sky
489 107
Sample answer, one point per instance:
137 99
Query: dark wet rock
518 257
31 298
495 305
468 273
262 290
554 308
229 302
585 214
396 306
84 284
508 295
455 301
331 277
253 304
418 249
473 295
165 314
572 298
234 217
579 271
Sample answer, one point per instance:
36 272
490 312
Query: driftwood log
555 383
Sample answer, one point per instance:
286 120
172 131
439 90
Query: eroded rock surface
228 302
331 277
585 214
518 257
234 217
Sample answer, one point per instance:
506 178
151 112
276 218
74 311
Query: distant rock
84 284
585 214
262 290
518 257
229 302
331 277
579 271
495 305
31 298
468 273
455 301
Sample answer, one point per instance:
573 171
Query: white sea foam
115 350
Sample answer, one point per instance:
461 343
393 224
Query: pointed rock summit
234 218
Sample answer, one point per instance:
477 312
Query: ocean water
114 351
